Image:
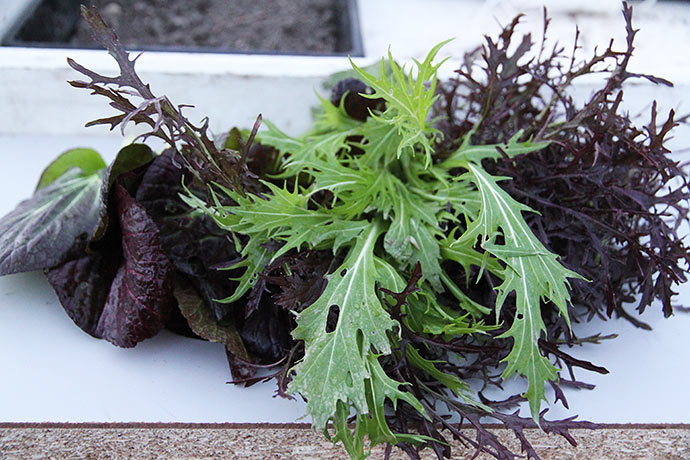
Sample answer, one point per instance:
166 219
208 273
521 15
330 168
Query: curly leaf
338 365
532 273
408 99
475 153
282 216
319 145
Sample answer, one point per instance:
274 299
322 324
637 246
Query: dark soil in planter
283 26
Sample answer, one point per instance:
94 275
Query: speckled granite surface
272 442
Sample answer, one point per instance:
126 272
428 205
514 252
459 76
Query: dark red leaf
141 296
82 286
192 241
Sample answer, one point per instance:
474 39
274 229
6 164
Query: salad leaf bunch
385 208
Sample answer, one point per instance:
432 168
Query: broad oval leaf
87 160
53 225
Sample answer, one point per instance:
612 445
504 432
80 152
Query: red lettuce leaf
122 289
266 332
195 245
82 286
192 241
141 295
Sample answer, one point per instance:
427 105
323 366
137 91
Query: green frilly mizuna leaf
409 99
532 272
338 365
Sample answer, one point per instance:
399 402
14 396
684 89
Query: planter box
231 89
58 24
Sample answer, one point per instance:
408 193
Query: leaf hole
519 316
360 342
343 272
332 320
